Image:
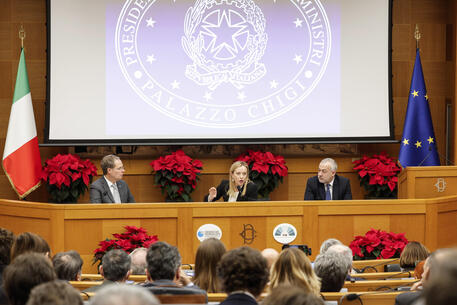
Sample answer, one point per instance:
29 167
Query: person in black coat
238 188
339 187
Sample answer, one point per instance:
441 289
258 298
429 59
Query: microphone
427 155
354 296
373 266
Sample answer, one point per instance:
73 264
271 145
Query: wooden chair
377 285
384 275
373 265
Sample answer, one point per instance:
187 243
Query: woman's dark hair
209 253
29 242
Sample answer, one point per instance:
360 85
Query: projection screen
218 71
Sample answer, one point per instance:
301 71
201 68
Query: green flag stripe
22 80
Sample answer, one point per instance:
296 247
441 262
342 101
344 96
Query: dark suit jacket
251 192
239 299
170 287
101 193
407 298
96 288
316 190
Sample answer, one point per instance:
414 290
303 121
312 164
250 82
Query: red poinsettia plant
378 244
128 241
177 175
266 170
67 177
378 175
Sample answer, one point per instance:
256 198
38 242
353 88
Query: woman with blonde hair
413 253
293 268
209 253
237 188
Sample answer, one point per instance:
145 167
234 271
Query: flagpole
22 35
417 35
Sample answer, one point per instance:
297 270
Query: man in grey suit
111 188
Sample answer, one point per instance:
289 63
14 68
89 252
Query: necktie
328 196
117 198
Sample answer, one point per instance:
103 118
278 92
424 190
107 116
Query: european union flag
418 144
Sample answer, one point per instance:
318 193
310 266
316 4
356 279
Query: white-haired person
327 185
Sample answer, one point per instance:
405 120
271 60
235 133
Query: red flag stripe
23 166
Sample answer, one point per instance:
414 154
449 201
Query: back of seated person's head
332 269
208 255
29 242
345 251
123 295
138 257
56 292
244 269
293 268
67 265
25 272
291 295
271 255
163 261
441 285
115 265
413 253
328 243
6 242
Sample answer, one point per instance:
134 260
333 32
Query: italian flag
21 157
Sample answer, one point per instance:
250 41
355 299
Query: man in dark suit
327 185
115 269
111 188
164 272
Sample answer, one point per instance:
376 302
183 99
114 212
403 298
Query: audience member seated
237 188
291 295
138 257
115 268
441 258
111 188
413 253
441 288
6 242
29 242
293 268
25 272
56 292
208 254
332 269
346 254
327 185
68 265
164 271
123 295
244 274
271 255
328 243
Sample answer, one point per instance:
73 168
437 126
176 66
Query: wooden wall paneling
413 224
253 228
448 227
223 223
164 228
340 227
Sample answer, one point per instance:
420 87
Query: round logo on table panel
285 233
209 230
